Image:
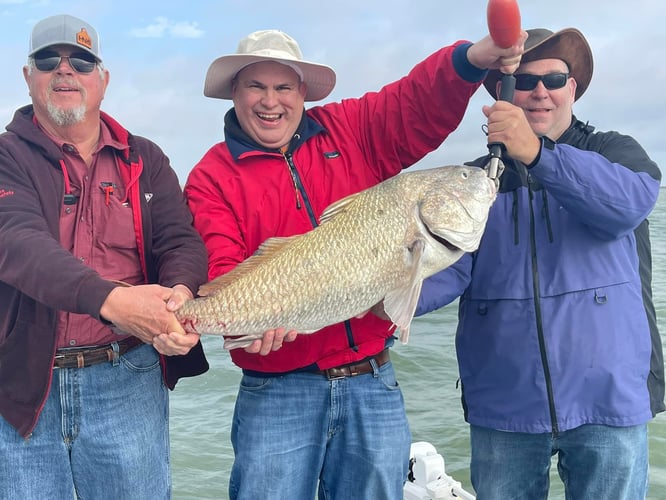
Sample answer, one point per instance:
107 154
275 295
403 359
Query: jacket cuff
464 68
545 143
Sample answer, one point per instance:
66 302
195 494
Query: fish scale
373 246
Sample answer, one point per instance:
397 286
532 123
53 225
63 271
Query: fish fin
400 304
272 246
238 342
265 251
336 208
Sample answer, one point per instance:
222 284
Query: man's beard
66 117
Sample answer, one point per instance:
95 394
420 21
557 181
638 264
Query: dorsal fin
337 208
265 251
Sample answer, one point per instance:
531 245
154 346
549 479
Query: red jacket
38 277
241 194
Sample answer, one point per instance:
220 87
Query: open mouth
442 241
273 117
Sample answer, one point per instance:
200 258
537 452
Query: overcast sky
158 52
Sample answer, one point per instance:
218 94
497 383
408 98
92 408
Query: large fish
373 246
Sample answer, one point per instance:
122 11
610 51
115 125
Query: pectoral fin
400 304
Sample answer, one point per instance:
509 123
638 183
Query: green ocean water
202 407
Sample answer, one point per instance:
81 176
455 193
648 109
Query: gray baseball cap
65 30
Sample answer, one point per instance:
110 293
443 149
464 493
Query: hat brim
70 44
568 44
319 78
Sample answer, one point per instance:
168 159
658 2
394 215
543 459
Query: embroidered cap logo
83 38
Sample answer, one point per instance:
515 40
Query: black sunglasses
551 81
81 62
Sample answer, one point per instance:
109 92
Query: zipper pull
287 159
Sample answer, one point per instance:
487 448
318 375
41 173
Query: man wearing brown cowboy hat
557 340
324 412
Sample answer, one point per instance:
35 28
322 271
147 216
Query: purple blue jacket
557 327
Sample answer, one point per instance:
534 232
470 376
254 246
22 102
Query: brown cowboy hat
568 44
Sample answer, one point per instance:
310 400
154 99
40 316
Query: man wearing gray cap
324 413
557 341
84 204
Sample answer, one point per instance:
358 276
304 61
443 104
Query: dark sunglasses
551 81
81 62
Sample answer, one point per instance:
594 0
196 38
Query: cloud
374 42
163 27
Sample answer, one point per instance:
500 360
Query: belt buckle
330 376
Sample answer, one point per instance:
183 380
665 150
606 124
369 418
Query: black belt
80 357
354 369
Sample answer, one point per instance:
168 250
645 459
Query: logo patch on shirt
329 155
148 196
4 193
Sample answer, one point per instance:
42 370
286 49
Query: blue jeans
103 433
594 462
351 435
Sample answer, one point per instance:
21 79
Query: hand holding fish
140 311
271 341
176 341
179 343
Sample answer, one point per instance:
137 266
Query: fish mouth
442 241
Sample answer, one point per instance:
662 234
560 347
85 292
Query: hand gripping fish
374 246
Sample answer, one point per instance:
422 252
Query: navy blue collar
240 143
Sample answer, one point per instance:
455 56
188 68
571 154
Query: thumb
179 294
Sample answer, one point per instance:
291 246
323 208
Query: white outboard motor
427 479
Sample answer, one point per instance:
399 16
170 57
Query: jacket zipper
537 311
299 190
301 194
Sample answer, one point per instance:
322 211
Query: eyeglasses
551 81
81 62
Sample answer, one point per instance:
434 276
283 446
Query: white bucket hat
268 45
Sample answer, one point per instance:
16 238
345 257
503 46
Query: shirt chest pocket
113 223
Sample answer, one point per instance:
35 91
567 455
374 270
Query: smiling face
269 102
549 112
64 97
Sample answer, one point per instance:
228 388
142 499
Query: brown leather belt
80 357
354 369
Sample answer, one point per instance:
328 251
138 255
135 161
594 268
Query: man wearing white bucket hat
324 412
